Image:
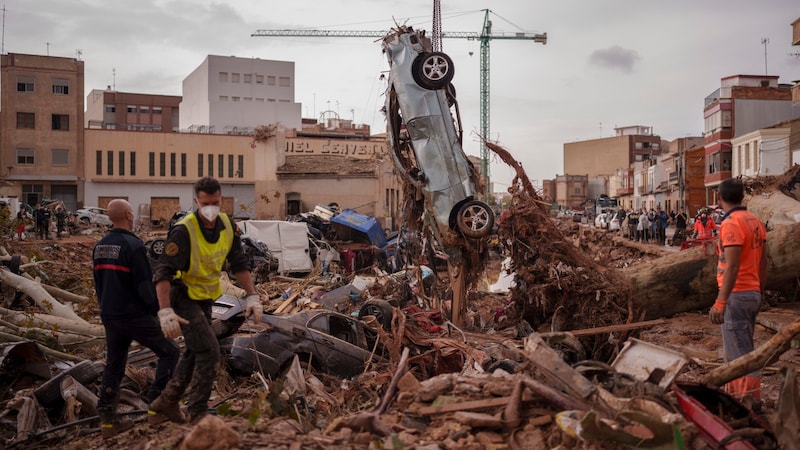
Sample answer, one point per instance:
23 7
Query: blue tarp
365 224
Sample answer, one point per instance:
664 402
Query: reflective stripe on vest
206 259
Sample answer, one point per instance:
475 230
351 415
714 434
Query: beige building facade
41 128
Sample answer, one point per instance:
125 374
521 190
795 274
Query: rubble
541 366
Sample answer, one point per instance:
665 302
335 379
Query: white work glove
253 306
170 322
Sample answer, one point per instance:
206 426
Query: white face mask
209 212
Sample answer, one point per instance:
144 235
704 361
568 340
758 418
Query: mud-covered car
330 342
426 137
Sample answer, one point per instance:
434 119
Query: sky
606 64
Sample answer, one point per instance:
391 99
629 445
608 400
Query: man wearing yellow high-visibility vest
187 278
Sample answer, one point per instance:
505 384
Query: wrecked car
426 138
323 340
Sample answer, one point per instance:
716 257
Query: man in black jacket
128 306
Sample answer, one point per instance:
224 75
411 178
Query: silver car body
445 176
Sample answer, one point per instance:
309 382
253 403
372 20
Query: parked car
92 215
607 221
426 137
330 342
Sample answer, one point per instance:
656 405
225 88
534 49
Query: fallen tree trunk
686 280
60 293
21 319
755 360
39 295
774 208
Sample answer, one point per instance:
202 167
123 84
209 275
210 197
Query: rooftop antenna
78 54
113 79
764 42
48 48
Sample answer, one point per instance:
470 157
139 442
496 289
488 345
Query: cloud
615 58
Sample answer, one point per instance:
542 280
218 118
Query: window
259 100
284 81
172 165
248 78
259 79
61 87
133 163
156 110
98 162
60 157
230 166
234 78
248 99
131 108
220 162
110 162
271 100
26 121
223 77
200 165
121 157
235 99
25 156
210 165
270 80
111 108
183 164
240 167
25 84
162 164
223 98
144 109
61 122
152 163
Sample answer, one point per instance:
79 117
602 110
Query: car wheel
433 70
157 248
475 219
381 309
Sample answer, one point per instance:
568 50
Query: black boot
110 425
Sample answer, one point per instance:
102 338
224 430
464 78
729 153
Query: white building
762 152
230 95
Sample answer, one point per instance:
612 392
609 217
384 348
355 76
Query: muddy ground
263 422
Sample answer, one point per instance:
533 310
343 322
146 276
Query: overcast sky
607 63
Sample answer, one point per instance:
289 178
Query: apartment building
230 95
742 104
41 128
762 152
112 110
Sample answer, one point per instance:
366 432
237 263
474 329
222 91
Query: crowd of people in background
651 226
42 220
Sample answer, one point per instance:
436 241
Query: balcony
624 191
673 178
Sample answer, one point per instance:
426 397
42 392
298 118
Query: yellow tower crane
484 37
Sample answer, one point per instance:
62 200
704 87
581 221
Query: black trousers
119 335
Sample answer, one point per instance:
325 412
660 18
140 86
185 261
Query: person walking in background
663 222
741 272
681 221
128 305
61 221
41 221
187 279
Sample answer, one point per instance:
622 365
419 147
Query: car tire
475 219
157 248
433 70
381 309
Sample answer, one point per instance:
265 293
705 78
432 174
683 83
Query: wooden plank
615 328
286 304
469 405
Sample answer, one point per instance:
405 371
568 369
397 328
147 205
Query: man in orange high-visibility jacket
741 272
